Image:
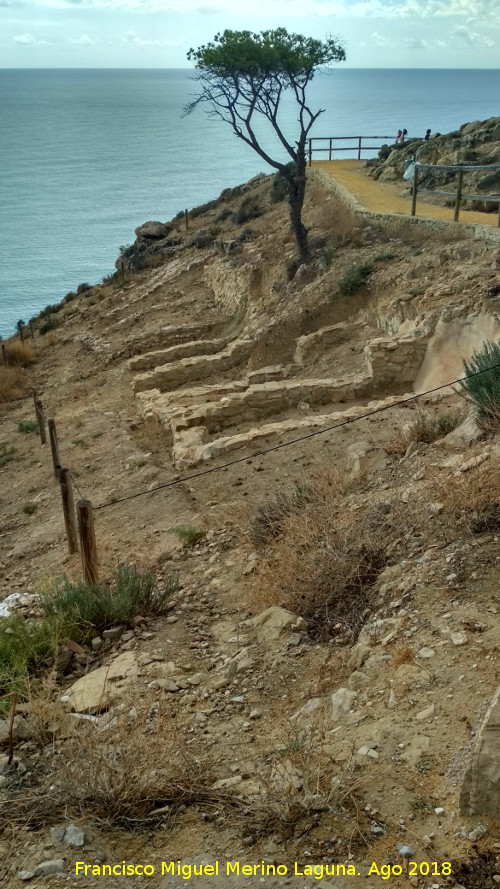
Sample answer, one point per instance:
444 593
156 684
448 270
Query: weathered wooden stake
68 505
4 355
459 195
54 447
186 217
88 546
39 416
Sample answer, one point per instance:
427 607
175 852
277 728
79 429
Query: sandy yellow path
385 197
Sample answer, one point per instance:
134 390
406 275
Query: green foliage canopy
243 75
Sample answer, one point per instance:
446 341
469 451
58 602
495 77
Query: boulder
153 231
270 624
465 435
480 792
94 692
342 702
365 458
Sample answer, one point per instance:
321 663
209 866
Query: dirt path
386 197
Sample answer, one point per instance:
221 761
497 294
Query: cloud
380 39
463 36
25 39
415 43
82 40
133 39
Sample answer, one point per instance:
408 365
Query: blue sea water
88 155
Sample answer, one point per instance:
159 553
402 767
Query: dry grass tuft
97 773
402 656
19 354
13 383
426 428
473 498
325 561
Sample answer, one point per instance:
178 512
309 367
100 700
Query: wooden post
68 505
87 540
459 195
310 152
4 356
54 447
414 192
186 218
32 331
39 417
359 147
41 421
330 150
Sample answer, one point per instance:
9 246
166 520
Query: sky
158 33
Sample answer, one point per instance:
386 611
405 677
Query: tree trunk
296 193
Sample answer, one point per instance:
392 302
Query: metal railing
358 145
459 194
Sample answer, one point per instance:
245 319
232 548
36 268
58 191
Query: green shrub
187 535
481 384
91 608
27 426
279 189
248 209
326 257
6 454
49 324
354 278
427 428
224 214
127 250
26 647
30 508
268 522
384 152
385 257
202 208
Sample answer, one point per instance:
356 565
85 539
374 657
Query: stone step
170 376
150 360
217 408
192 446
324 338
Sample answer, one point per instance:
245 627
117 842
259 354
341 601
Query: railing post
68 506
39 417
54 447
87 540
186 219
459 195
310 151
359 147
414 191
330 150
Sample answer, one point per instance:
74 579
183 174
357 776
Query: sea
88 155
